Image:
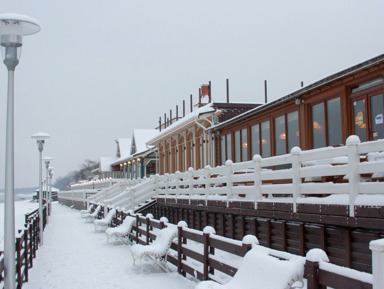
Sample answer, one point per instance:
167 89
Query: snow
106 162
21 208
141 137
74 256
260 270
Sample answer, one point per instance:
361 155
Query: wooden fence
199 254
27 243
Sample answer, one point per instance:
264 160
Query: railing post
229 169
311 267
353 171
179 249
206 256
166 186
257 177
190 186
26 254
377 248
207 176
132 197
137 229
296 180
19 262
177 178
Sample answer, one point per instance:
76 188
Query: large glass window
334 122
318 122
229 147
237 146
280 135
265 139
377 117
223 151
255 139
293 130
244 145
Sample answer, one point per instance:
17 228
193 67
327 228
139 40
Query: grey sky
98 69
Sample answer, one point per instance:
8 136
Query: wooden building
322 114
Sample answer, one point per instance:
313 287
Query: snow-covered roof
141 137
138 141
106 162
182 122
125 146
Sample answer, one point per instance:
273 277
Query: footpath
74 256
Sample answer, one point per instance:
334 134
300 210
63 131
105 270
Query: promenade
75 256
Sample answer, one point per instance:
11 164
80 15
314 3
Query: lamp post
47 161
12 29
40 138
50 169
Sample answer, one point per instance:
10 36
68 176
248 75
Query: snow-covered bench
102 224
260 270
158 250
122 231
92 216
88 211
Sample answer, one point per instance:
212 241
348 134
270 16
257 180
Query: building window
265 139
334 122
293 130
223 151
229 146
244 145
318 122
326 121
280 136
237 146
255 139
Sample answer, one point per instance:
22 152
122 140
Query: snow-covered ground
75 256
21 208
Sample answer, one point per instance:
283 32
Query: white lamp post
12 29
47 161
50 189
40 137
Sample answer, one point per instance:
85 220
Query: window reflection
255 138
265 140
229 147
280 135
334 122
237 146
223 152
244 145
293 130
318 125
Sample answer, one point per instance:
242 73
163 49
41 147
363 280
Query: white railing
293 178
325 171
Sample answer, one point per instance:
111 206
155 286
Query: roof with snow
106 162
124 147
138 144
53 190
182 122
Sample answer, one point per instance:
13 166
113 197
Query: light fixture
47 161
12 29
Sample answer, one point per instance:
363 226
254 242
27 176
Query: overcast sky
98 69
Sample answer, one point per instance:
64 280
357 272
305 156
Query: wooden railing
200 254
27 243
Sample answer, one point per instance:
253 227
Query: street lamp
50 189
12 29
47 161
40 137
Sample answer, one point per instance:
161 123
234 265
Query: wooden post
19 279
191 103
311 274
147 230
137 229
296 180
206 256
179 249
26 255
